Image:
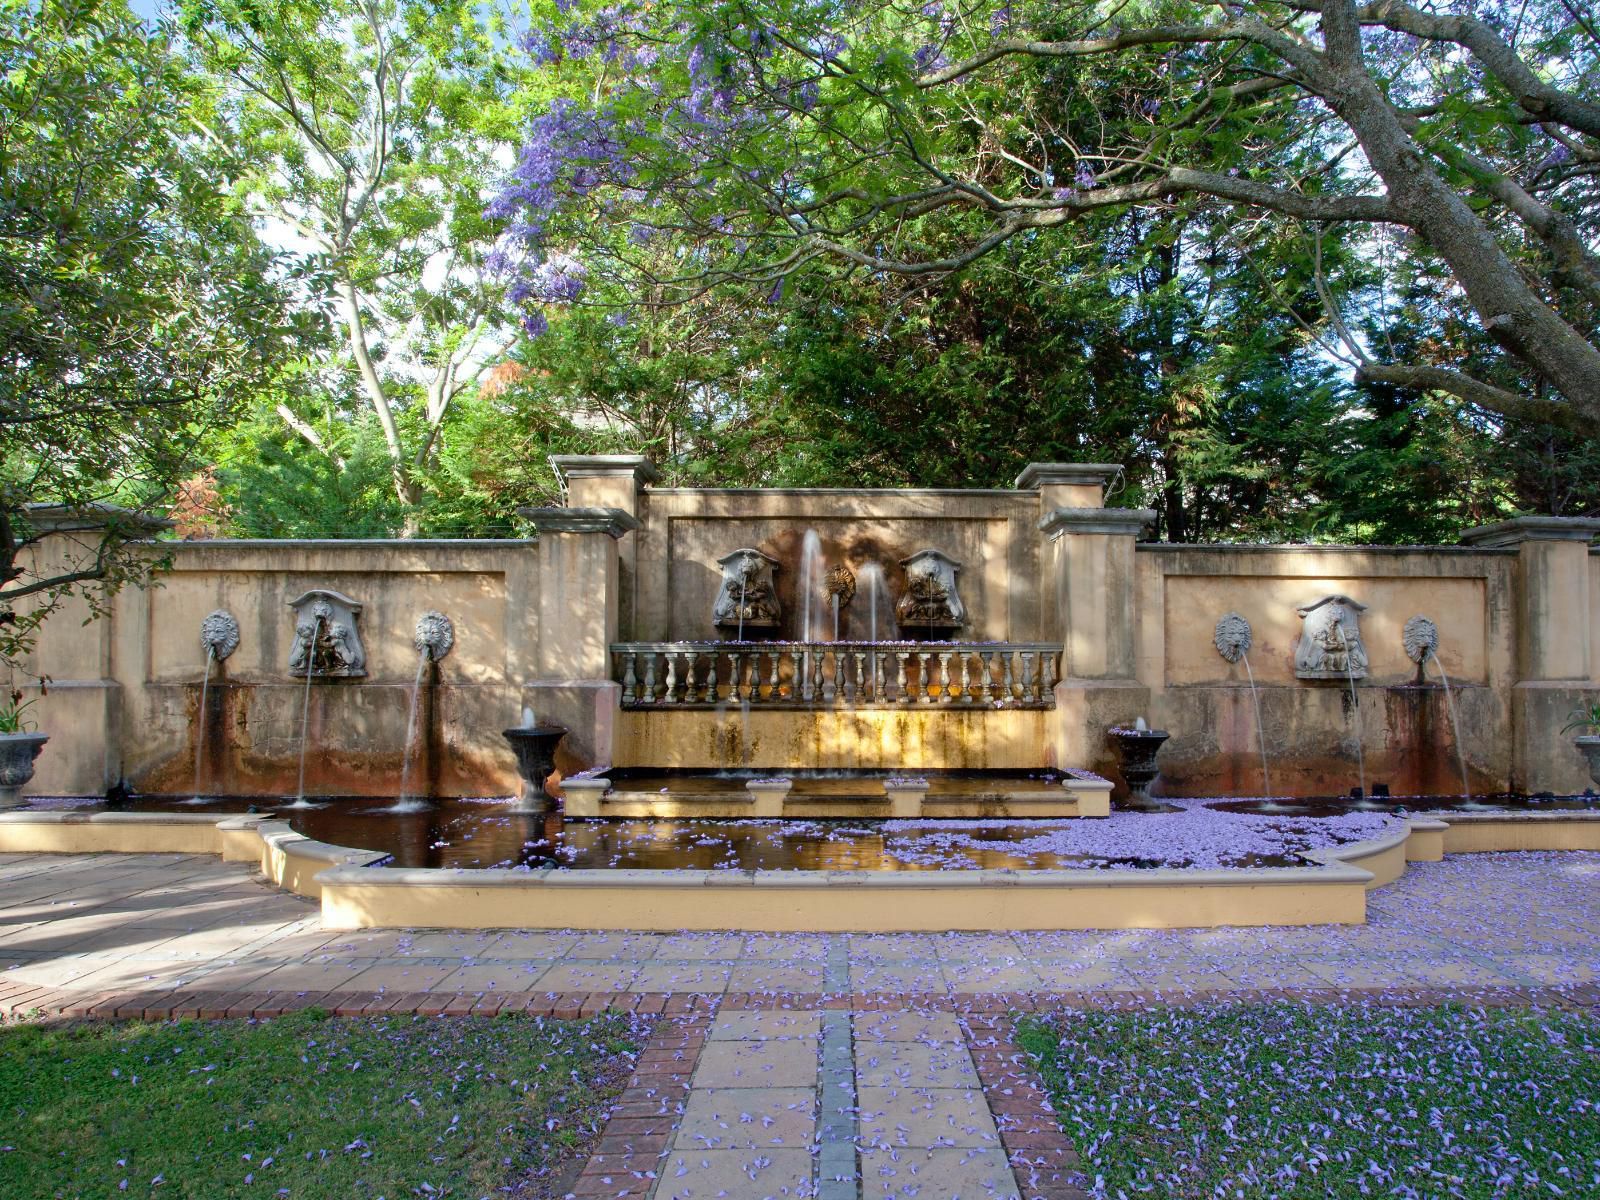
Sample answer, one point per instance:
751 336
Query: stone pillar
1088 559
94 663
614 481
1061 485
1557 663
569 683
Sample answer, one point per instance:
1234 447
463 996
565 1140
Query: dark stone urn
1589 744
1136 755
17 752
535 747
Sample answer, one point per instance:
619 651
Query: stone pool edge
1330 890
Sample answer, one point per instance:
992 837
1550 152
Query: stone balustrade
829 674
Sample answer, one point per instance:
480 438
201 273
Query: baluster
630 681
861 676
875 658
1005 684
806 683
944 677
772 681
691 660
795 675
966 676
649 696
1053 671
986 665
902 694
670 695
841 667
830 681
736 662
711 677
1029 683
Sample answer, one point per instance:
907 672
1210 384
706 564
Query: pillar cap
1129 522
573 466
1533 529
614 521
1036 475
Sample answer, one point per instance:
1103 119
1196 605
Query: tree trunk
1517 318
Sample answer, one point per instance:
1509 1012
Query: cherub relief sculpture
326 641
930 605
748 599
1330 644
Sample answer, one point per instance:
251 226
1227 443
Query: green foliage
374 131
309 1104
12 719
135 309
1584 718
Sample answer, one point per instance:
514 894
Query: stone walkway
833 1066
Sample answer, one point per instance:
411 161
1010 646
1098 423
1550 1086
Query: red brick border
19 999
1042 1157
626 1160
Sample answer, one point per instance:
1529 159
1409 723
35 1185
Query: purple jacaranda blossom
1558 155
999 20
776 294
535 324
619 319
559 279
929 58
808 94
1083 178
541 47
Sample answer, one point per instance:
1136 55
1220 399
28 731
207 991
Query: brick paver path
834 1066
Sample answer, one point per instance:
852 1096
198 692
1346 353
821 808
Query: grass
1291 1101
304 1107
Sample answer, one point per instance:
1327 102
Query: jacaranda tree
737 142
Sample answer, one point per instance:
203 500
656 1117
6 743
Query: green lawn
1247 1102
303 1107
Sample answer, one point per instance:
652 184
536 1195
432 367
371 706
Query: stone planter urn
1589 743
535 748
17 752
1136 755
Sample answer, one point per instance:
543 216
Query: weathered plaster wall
685 531
124 695
1519 623
1403 724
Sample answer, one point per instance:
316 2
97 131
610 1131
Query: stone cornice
59 518
1129 522
573 466
1035 475
1533 529
613 521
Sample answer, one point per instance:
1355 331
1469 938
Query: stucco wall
675 576
124 695
1403 725
1136 624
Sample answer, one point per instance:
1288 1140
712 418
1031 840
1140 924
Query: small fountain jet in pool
219 634
432 640
1421 640
1136 749
326 643
535 748
1232 639
1330 647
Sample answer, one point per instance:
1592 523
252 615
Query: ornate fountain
747 602
931 606
535 748
1136 747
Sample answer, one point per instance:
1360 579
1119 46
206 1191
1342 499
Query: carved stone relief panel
327 642
747 600
931 604
1330 644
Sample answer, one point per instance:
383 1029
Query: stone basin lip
1330 889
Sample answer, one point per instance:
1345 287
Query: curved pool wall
354 891
1128 627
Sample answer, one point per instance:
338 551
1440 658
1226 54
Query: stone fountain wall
1518 613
